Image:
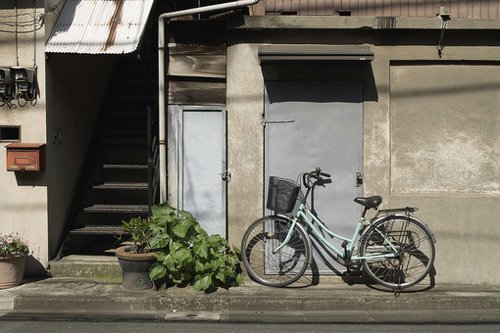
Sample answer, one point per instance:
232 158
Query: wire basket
282 195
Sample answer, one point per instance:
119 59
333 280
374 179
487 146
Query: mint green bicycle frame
306 215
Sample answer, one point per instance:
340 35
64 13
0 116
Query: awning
315 53
99 26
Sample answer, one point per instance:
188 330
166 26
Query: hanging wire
34 34
25 23
21 23
17 39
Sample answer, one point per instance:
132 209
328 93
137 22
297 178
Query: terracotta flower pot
135 268
11 271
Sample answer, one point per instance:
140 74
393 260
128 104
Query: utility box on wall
26 157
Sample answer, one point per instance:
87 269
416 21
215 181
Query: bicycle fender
377 220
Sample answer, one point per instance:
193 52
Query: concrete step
125 141
127 209
99 230
105 268
125 166
122 186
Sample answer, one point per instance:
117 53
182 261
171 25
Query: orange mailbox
26 157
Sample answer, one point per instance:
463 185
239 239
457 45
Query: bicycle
395 249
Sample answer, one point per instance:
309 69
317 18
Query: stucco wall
432 142
437 151
63 118
23 196
445 128
245 93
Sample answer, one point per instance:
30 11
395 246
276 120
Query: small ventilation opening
344 12
10 133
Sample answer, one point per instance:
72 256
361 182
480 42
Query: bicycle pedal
355 272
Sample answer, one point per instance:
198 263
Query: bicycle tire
275 269
415 246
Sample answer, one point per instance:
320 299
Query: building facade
393 98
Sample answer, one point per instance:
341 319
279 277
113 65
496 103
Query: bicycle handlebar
316 174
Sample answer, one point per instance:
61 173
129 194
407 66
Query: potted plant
13 252
136 258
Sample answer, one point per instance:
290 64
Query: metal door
313 124
197 164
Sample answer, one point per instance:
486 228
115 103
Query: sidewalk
85 299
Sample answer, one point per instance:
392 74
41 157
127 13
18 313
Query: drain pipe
162 22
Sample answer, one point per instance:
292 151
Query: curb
75 299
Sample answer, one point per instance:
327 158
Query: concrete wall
245 138
430 140
23 196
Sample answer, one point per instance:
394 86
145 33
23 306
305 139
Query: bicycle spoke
414 256
264 262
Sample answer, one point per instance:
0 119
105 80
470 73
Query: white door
313 124
197 163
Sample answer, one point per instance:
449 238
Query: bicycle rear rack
391 211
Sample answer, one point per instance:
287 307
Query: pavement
98 300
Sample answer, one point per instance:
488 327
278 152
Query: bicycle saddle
369 202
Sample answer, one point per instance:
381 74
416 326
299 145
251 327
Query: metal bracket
359 179
265 121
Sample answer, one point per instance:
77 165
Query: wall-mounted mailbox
25 157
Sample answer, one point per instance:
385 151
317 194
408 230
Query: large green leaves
189 255
158 271
182 228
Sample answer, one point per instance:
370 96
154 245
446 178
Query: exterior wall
23 196
476 9
37 205
245 136
436 149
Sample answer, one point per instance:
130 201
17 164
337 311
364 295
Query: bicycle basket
282 195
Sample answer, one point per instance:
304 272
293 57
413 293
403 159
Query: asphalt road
28 326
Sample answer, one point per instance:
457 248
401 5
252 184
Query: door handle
226 176
359 179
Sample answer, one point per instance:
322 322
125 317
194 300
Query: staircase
120 182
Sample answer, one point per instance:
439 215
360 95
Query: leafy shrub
187 254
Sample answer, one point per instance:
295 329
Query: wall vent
10 133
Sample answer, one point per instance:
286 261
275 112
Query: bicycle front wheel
267 266
412 244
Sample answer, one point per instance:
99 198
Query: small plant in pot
13 252
146 237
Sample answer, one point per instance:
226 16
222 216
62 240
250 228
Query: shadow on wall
329 71
34 268
31 178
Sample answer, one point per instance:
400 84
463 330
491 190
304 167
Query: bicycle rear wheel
263 263
415 251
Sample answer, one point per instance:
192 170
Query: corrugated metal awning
315 53
99 26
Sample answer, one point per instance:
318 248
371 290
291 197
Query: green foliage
146 234
190 255
12 245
